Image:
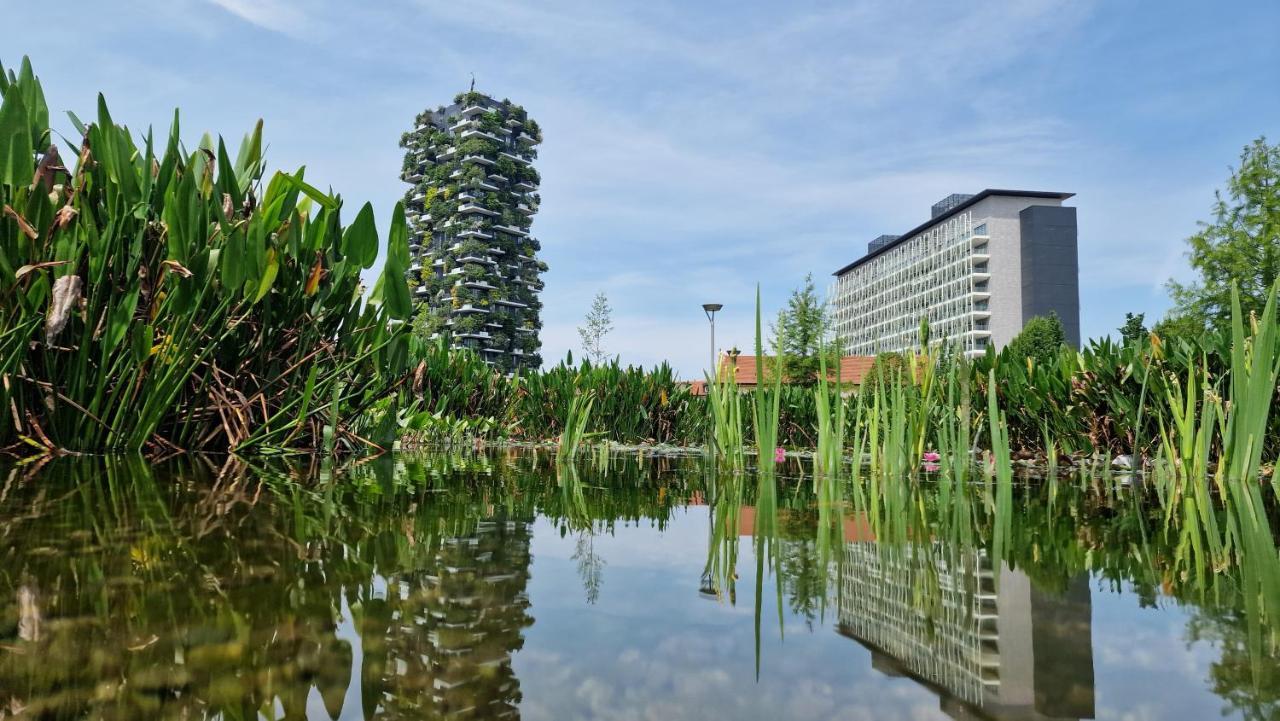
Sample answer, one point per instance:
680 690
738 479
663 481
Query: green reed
574 426
767 398
831 421
725 401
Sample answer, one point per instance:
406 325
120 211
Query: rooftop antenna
473 82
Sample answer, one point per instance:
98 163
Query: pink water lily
779 455
932 457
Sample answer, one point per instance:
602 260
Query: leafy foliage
154 297
800 333
595 327
1240 248
1041 339
1134 329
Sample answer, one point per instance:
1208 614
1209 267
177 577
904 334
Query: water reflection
404 589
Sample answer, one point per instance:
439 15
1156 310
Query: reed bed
157 297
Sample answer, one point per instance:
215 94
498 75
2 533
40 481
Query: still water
491 586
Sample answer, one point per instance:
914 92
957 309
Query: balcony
511 230
478 284
447 153
498 178
473 110
513 123
477 159
476 234
464 123
468 308
525 186
473 208
510 303
468 134
526 138
516 158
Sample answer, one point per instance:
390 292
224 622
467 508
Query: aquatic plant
725 402
152 297
766 401
574 426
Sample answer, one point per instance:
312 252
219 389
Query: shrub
1041 339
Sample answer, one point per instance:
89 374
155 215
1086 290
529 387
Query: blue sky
693 150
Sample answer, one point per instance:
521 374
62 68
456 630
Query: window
980 230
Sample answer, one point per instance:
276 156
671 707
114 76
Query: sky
694 150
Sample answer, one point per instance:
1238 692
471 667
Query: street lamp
711 309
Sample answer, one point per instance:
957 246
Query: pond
492 586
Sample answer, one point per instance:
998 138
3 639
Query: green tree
800 335
1241 246
1041 338
1134 328
595 327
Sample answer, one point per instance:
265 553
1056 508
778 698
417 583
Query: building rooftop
944 216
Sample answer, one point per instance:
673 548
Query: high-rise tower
473 196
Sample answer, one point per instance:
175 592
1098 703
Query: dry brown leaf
23 225
37 266
66 295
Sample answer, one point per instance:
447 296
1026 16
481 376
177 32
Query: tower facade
473 193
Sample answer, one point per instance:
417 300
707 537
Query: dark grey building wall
1051 266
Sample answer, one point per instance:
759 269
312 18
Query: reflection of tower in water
451 628
936 614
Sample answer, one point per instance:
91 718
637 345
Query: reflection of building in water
453 627
934 614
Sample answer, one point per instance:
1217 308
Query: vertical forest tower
474 192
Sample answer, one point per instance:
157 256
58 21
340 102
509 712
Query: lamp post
711 309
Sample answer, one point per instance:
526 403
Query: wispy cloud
282 16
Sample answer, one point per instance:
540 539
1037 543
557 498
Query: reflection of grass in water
226 560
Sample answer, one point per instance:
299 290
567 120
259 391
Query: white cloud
282 16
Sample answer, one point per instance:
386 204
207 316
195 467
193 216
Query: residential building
988 647
978 269
472 199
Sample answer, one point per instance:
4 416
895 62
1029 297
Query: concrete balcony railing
473 208
468 134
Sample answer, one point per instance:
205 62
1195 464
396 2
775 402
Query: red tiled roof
853 368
